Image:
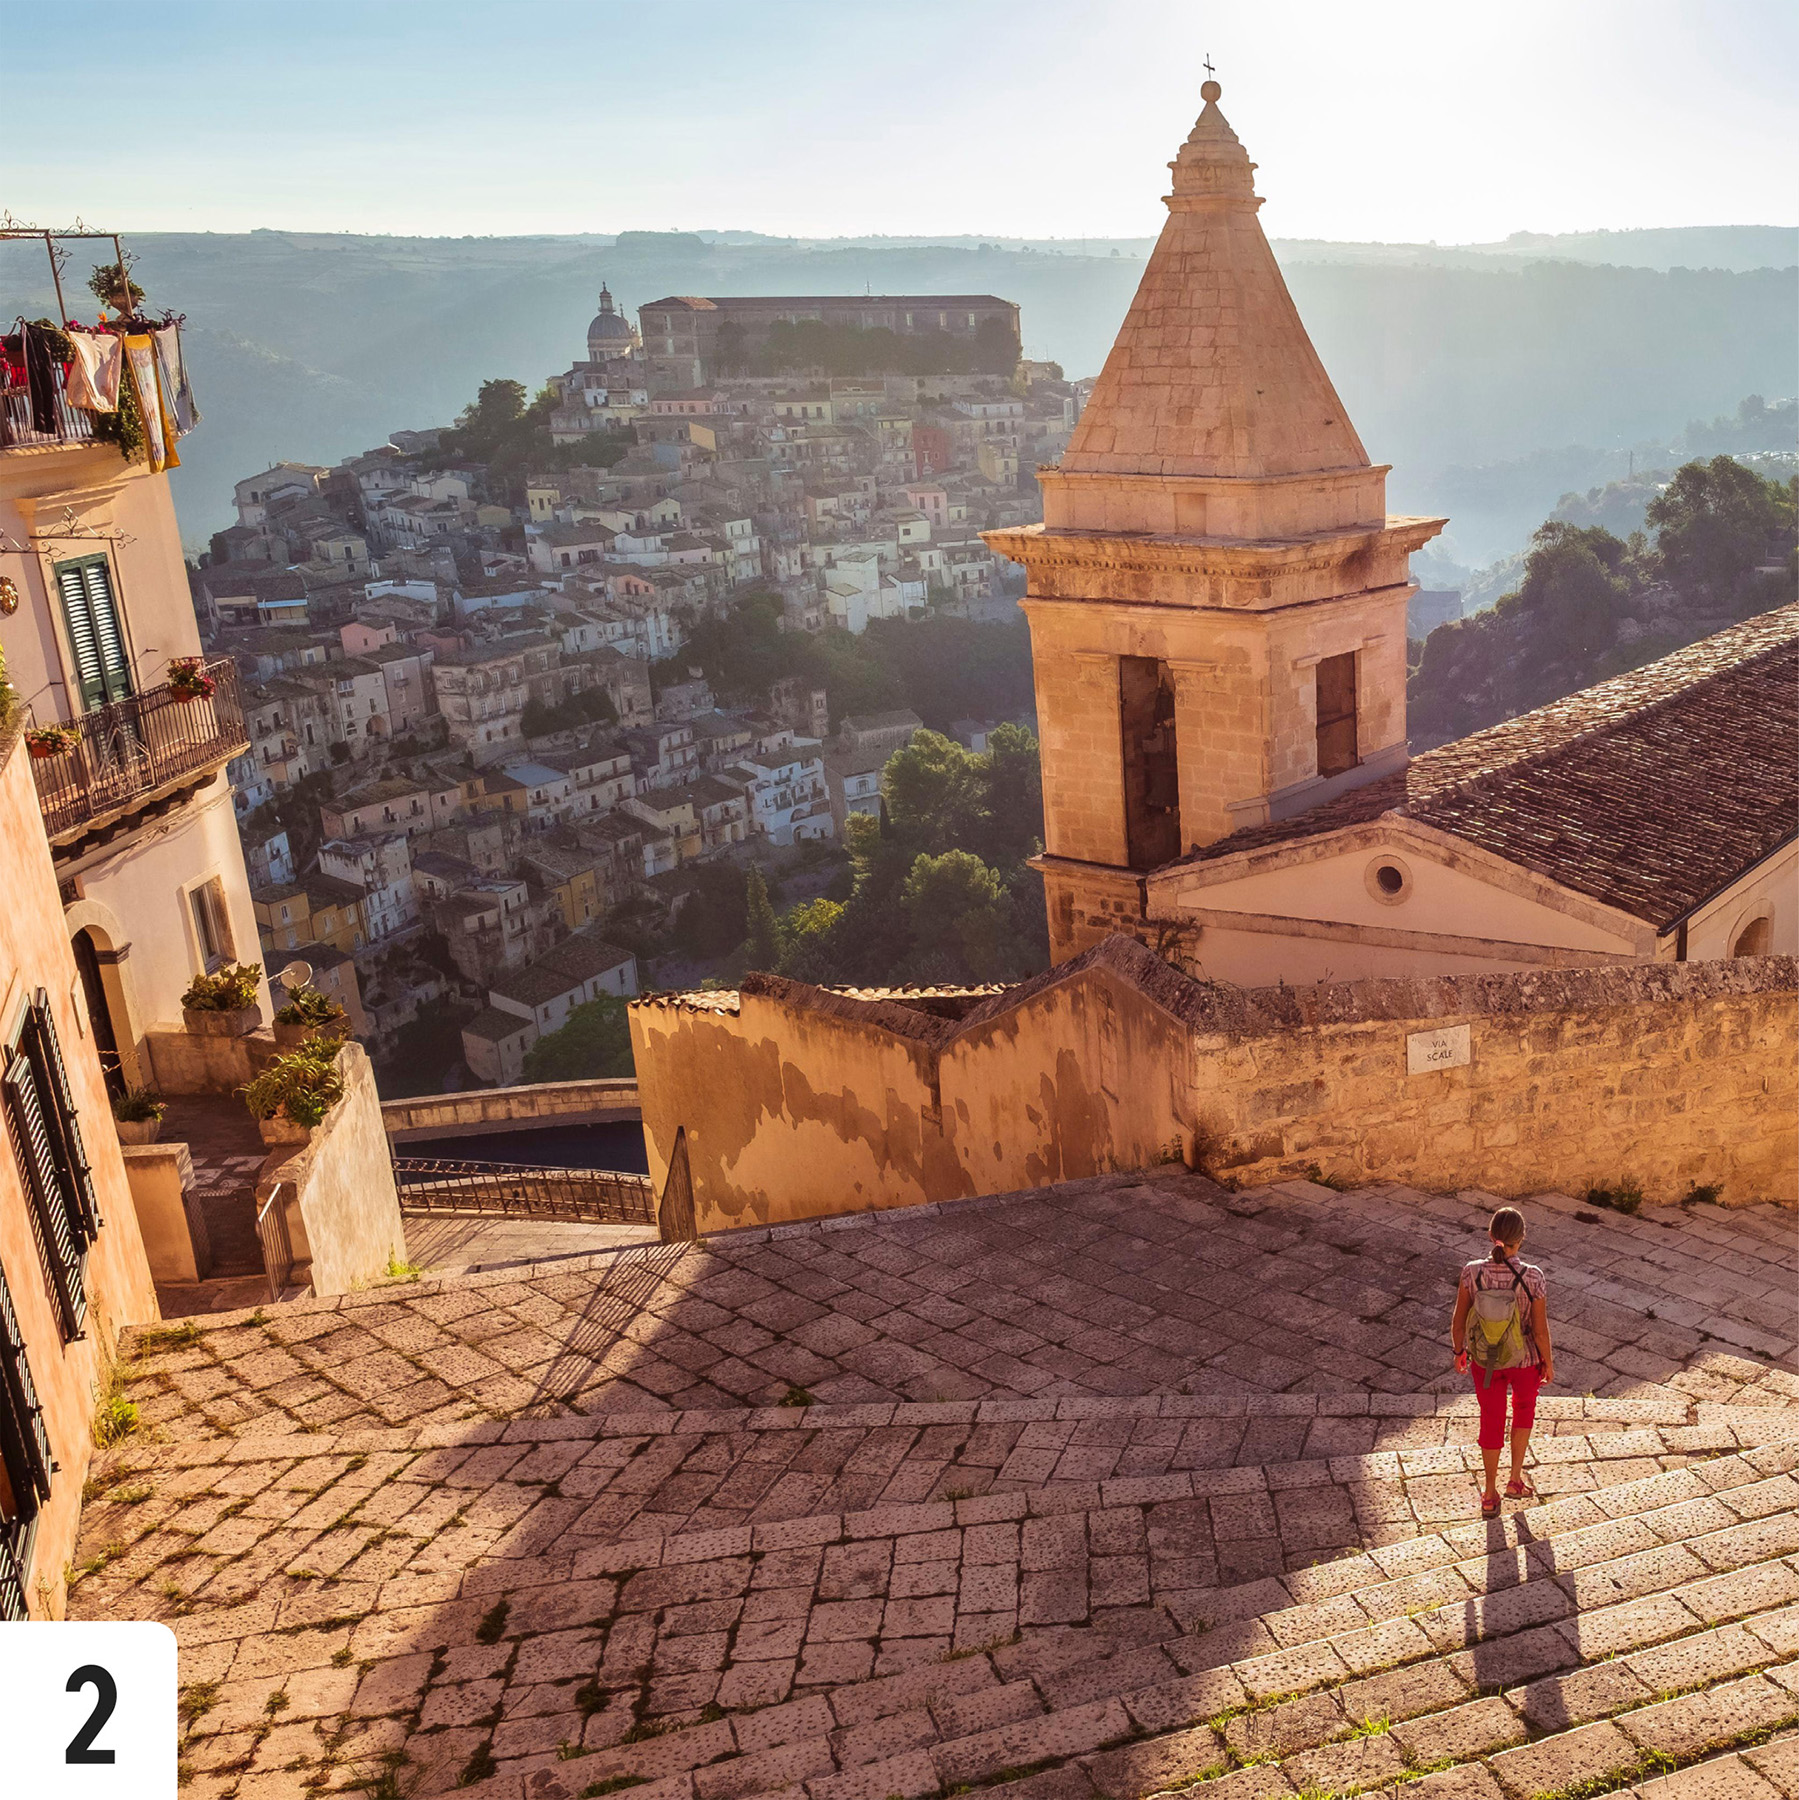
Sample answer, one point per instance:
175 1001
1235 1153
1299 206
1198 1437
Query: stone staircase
533 1584
1573 1655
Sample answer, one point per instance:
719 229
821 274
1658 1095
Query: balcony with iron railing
52 422
130 753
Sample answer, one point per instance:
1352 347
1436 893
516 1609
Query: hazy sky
1454 120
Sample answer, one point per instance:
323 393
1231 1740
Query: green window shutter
95 636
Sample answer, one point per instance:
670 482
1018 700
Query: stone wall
343 1211
798 1102
501 1109
1671 1074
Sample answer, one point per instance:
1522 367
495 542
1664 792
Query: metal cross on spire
1207 66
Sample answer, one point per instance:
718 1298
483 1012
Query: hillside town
460 769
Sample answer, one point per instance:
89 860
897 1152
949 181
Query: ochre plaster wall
158 1173
790 1113
1079 1078
35 953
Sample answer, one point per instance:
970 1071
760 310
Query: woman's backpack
1496 1325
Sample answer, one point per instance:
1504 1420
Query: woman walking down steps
1500 1333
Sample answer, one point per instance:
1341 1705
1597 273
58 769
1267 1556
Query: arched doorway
99 1012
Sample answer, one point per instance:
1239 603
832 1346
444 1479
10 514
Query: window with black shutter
45 1050
52 1161
95 638
26 1464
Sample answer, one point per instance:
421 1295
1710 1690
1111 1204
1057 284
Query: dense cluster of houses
463 684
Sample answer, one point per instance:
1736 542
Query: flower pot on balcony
238 1022
138 1131
288 1036
282 1130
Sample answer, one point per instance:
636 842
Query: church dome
610 332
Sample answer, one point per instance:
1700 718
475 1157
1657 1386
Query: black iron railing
596 1196
70 424
133 746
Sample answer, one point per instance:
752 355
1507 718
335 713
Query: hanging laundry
159 437
95 371
40 374
175 384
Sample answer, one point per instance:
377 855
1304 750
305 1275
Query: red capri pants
1490 1390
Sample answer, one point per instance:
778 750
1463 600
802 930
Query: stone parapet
805 1103
501 1109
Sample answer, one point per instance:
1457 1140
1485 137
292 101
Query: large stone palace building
1217 606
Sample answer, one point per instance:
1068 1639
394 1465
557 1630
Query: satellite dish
296 975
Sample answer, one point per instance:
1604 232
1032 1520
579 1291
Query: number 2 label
87 1710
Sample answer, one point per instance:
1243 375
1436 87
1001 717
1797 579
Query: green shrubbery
301 1086
229 989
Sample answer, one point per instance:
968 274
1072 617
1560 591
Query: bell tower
1217 594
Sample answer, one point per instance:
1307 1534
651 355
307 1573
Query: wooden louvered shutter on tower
95 637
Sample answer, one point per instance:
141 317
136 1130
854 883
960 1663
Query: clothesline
101 358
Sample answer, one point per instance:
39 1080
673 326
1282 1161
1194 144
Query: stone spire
1212 373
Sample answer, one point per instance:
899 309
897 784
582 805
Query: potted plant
188 679
138 1116
223 1004
295 1092
308 1014
50 740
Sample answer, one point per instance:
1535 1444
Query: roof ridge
1610 722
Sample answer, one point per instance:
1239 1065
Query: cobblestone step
1285 1681
1125 1286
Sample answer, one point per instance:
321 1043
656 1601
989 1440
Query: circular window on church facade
1388 879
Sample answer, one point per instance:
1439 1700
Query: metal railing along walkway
429 1184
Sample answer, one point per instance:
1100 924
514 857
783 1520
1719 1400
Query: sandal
1520 1490
1489 1506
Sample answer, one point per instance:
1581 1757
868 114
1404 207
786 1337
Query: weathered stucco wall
1066 1079
799 1103
796 1103
34 955
343 1211
158 1173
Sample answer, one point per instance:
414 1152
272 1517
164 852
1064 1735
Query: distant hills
1451 359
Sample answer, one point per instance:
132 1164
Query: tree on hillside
995 347
1591 605
943 669
957 908
513 439
1716 521
1572 584
596 1041
762 944
939 890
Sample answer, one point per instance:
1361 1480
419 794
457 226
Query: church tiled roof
1650 792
